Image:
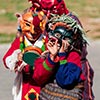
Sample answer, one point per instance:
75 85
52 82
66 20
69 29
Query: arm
69 72
43 70
10 57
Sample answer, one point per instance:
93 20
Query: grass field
88 12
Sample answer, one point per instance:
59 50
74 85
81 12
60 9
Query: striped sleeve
69 72
43 70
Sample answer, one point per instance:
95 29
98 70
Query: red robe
32 79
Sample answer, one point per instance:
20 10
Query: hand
20 56
64 46
53 47
45 52
19 66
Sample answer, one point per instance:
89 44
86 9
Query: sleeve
43 70
10 56
69 72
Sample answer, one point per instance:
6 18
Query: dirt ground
9 29
91 25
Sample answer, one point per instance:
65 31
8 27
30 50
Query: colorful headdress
67 27
50 6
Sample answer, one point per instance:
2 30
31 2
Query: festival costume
29 79
57 4
64 86
60 88
89 75
59 7
68 83
31 82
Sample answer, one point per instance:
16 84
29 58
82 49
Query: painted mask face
62 33
52 6
32 24
27 26
46 4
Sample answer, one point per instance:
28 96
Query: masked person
68 82
59 7
27 46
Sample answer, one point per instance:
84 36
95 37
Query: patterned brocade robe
28 82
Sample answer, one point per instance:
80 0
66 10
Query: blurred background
88 11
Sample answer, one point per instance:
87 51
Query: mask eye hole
52 39
57 35
27 24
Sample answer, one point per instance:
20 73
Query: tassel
21 44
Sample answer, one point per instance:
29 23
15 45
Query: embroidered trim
46 66
63 62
